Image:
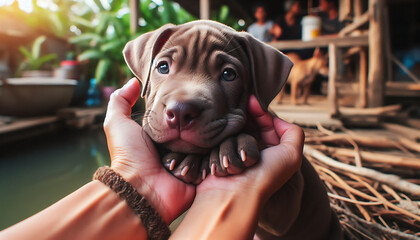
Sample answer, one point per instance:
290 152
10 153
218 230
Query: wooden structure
370 48
373 78
12 129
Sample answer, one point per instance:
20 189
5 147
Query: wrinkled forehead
204 44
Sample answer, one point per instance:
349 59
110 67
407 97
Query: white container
311 27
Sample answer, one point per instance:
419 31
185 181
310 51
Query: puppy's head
197 78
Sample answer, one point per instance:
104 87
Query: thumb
284 159
123 99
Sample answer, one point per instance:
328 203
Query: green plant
103 38
105 31
33 59
222 16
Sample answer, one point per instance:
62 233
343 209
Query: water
37 172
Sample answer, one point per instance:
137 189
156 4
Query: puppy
303 74
197 78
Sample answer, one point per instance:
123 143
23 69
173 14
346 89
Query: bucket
311 27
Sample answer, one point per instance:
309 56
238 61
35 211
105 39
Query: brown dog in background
197 78
303 74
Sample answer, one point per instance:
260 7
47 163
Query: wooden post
376 76
387 39
362 78
357 8
204 9
332 76
310 6
344 10
134 15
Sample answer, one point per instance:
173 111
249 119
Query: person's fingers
289 133
286 157
264 121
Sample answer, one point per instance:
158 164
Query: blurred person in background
262 27
288 26
329 17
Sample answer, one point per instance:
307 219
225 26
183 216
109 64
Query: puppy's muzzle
182 114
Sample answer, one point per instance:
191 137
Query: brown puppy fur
197 78
303 74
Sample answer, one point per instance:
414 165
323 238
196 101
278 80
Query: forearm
92 212
221 215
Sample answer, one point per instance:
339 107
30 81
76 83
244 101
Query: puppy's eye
228 74
163 68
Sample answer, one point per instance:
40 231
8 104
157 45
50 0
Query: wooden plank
322 41
402 89
415 123
309 119
80 112
376 76
316 111
19 124
408 132
378 111
358 22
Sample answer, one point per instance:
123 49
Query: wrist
132 176
150 218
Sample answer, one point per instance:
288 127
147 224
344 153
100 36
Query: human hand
278 162
133 155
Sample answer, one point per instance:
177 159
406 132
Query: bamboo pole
357 8
363 78
204 9
391 180
332 76
134 15
408 162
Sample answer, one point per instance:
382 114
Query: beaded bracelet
151 220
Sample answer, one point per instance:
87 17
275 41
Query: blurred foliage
47 22
100 29
222 15
33 59
105 31
103 36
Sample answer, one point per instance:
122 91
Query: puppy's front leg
233 155
190 168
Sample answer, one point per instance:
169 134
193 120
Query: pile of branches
373 181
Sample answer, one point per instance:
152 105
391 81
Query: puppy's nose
181 114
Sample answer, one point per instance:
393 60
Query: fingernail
185 171
172 165
213 169
243 155
225 161
204 173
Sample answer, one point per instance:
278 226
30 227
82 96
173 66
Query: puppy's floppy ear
140 52
269 69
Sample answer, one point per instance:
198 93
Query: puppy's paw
234 155
188 168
